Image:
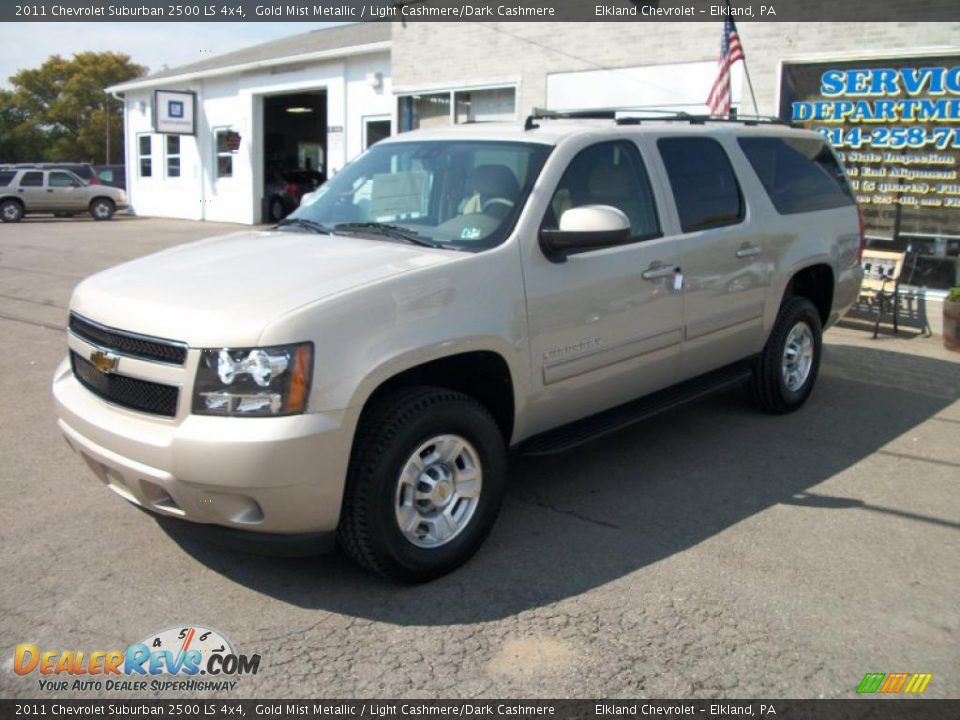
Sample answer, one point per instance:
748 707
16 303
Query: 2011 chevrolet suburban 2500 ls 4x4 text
359 371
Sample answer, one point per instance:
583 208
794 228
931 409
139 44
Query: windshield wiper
304 223
393 231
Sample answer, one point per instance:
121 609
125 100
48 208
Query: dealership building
887 93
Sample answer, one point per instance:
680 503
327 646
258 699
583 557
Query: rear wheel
425 484
102 209
786 371
11 211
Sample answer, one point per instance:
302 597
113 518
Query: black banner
476 10
868 709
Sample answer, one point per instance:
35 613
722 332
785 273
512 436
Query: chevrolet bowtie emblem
105 362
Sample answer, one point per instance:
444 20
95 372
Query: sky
27 45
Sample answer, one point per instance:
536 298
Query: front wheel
786 371
11 211
102 209
425 483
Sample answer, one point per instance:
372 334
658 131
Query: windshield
464 194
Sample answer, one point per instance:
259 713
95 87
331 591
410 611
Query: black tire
11 211
390 433
102 208
276 209
768 386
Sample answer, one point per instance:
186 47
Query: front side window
226 149
704 186
6 176
610 173
145 155
799 174
461 194
61 179
173 156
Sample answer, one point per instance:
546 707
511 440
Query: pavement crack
572 513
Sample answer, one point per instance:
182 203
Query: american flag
730 51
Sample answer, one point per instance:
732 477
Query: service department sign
174 112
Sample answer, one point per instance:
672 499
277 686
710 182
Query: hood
224 291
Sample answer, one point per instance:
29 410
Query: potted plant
951 320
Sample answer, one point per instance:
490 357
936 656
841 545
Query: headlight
254 381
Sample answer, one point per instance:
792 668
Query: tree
19 141
63 103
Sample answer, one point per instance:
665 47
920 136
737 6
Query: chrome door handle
659 271
749 251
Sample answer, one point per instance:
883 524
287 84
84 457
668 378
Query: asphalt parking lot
714 552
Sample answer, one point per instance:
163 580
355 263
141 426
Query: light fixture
299 110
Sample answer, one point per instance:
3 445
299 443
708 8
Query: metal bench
881 285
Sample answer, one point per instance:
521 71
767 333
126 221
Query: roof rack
654 115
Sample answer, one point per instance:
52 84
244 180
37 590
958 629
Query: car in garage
30 191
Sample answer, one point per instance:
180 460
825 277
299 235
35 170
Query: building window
227 144
145 155
457 106
494 105
173 156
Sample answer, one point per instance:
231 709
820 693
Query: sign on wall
174 112
895 124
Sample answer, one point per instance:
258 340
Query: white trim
257 65
452 87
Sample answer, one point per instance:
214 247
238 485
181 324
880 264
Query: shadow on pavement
579 520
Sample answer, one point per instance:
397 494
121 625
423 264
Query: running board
583 431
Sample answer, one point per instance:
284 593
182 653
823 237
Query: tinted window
799 174
704 186
5 177
59 179
32 179
610 173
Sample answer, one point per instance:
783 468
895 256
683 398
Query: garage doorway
294 150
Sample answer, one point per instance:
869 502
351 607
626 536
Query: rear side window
704 186
32 179
6 176
799 174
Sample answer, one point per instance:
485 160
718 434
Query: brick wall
454 54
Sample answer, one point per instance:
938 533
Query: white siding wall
236 102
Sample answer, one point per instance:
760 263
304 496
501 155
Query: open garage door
294 150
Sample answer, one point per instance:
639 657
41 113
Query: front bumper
266 475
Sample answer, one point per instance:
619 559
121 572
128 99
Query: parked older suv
31 190
359 371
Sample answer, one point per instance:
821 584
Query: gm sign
174 112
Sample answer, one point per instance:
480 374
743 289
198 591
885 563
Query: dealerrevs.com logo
192 658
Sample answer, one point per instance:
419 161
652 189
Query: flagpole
756 108
746 72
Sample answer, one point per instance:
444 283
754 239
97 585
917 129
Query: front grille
128 392
131 344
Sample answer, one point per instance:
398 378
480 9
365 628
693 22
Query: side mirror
585 228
